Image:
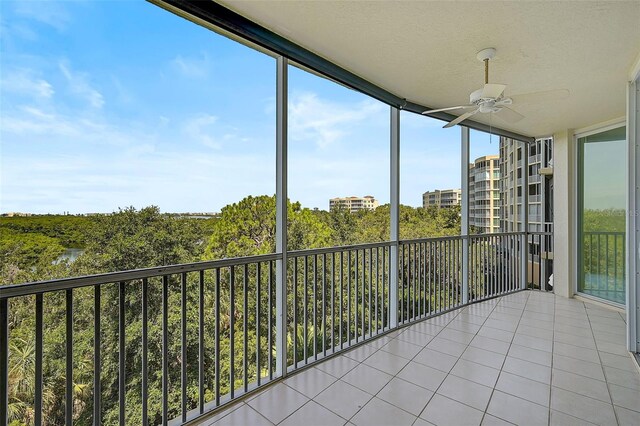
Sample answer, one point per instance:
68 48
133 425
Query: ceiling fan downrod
486 71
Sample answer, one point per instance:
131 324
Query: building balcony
450 330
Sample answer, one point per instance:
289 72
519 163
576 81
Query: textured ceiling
425 51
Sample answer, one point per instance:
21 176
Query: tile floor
528 358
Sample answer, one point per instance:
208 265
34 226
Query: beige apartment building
354 204
442 198
484 194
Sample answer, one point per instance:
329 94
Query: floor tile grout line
412 360
498 379
309 399
362 362
235 407
553 345
445 377
307 402
238 408
396 375
615 414
589 397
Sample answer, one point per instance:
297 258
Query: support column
464 223
564 214
524 238
281 215
633 225
395 216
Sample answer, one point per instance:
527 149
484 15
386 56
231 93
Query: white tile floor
528 358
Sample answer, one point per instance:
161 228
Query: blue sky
107 104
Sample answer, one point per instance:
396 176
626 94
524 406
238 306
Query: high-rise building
540 184
540 198
442 198
484 194
354 204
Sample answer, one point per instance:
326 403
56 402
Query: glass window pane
601 215
430 190
338 158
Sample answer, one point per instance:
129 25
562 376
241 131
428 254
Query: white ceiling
425 51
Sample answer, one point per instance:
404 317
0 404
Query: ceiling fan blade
509 115
431 111
546 96
460 119
493 91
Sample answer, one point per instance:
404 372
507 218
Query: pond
69 254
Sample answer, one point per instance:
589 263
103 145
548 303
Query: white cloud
200 129
194 67
25 82
46 12
325 122
30 120
79 84
8 30
174 178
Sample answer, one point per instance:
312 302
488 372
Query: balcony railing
339 297
191 338
603 255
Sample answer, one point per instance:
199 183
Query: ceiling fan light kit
490 98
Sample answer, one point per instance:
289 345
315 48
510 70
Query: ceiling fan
490 99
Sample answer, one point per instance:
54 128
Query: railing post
464 222
395 216
524 238
281 215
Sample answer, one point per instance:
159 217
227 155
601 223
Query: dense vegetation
130 239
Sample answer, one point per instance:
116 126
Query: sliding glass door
602 187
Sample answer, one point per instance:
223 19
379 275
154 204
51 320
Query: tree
132 239
248 228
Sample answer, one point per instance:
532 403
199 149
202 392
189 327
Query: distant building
354 204
539 199
442 198
539 180
16 214
484 194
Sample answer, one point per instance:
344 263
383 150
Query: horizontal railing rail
25 289
306 252
183 340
